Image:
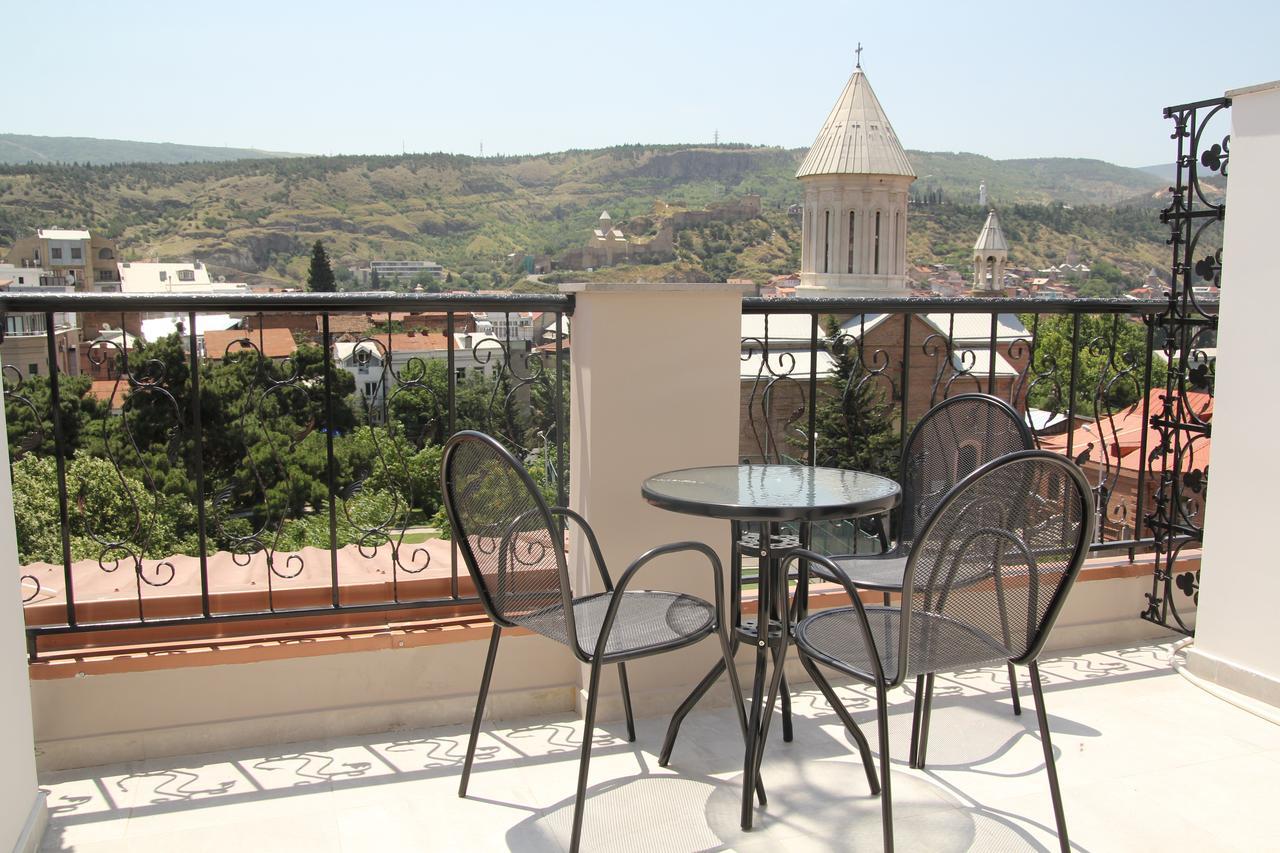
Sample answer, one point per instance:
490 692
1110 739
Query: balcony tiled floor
1148 760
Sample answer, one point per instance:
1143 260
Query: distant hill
1163 171
1039 180
258 218
18 148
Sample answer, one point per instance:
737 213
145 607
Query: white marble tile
1129 732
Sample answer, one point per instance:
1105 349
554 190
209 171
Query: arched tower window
104 254
826 243
877 245
900 235
851 241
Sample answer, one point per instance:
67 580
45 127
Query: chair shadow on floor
817 789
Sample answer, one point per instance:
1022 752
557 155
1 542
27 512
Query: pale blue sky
1082 78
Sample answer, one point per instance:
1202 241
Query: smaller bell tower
990 255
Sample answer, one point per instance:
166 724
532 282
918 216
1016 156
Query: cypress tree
856 427
320 276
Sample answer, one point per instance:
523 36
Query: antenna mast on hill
716 137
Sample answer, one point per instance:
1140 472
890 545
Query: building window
877 244
460 373
826 243
900 234
55 253
186 275
33 369
105 255
75 253
851 241
370 390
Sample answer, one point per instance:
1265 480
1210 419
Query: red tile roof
1122 435
274 343
103 390
416 342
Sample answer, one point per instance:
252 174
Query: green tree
105 507
320 277
855 425
29 421
1110 363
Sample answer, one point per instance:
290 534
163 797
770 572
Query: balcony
1126 722
244 627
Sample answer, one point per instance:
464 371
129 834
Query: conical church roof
991 238
856 138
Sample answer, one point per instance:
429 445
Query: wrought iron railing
1088 374
287 468
1188 329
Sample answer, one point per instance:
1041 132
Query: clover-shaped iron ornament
1208 266
1195 480
1215 158
1188 582
1199 375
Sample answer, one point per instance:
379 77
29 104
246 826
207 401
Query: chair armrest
591 541
810 558
717 573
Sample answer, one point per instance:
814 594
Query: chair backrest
953 439
511 544
1001 552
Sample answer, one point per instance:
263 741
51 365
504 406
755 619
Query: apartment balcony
1130 726
244 627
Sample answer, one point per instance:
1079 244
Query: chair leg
480 700
864 748
1050 767
917 709
626 702
584 763
886 798
925 714
1013 691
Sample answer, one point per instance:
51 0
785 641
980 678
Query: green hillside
257 218
19 148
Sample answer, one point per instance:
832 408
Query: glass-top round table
772 493
769 495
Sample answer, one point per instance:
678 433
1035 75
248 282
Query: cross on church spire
859 55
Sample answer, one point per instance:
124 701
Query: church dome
856 138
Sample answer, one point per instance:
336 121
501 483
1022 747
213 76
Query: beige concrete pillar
654 387
22 805
1237 641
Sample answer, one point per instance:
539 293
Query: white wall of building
1237 642
22 808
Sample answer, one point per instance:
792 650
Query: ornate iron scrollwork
1187 328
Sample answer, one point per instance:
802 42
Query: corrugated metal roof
975 329
991 238
856 138
61 234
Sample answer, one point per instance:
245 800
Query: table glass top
771 492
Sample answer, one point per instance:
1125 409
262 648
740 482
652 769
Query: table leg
772 598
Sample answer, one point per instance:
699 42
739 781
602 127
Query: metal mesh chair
513 545
989 573
953 439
